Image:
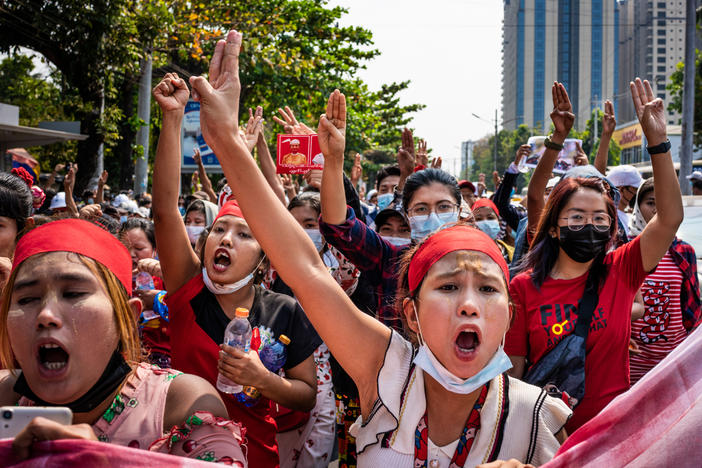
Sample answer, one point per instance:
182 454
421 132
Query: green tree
675 86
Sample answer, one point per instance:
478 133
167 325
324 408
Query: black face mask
585 244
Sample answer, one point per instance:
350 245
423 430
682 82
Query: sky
451 52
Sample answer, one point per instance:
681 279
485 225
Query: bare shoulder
187 394
7 394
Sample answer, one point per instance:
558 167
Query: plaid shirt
684 257
373 255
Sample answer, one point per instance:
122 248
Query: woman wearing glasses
430 199
575 233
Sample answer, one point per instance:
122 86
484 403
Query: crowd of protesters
420 317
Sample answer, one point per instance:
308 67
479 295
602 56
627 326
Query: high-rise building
466 158
557 40
651 44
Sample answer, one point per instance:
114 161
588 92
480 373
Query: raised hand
171 93
496 179
562 114
253 127
313 178
90 212
650 111
356 170
290 123
102 180
422 155
436 162
219 95
608 120
196 156
59 167
332 128
522 152
405 155
70 180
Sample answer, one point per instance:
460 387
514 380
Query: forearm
268 170
351 197
537 184
333 196
668 195
603 153
71 207
166 179
50 181
292 393
206 183
100 195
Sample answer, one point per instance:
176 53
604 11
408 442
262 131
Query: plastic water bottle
237 335
144 281
273 357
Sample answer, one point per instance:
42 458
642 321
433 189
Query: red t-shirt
607 360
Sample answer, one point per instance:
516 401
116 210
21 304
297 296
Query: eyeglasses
600 221
422 209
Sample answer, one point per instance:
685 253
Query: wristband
661 148
552 145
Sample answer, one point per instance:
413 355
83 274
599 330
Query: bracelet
660 148
552 145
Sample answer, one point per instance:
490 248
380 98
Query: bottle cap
241 312
284 339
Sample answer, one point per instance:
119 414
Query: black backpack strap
586 306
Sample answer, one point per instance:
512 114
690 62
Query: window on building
661 50
661 5
661 69
661 60
661 40
661 32
661 22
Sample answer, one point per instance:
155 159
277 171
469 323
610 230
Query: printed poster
298 154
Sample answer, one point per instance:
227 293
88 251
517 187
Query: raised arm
562 117
332 192
264 154
100 195
204 178
660 231
356 340
178 261
608 124
68 183
406 158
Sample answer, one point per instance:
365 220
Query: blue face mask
491 227
123 219
384 200
316 237
422 225
426 361
181 210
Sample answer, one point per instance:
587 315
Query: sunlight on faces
431 195
395 226
306 216
585 201
195 218
138 244
56 296
388 184
463 288
648 206
239 254
484 213
8 233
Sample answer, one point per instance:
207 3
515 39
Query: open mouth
52 357
221 260
467 342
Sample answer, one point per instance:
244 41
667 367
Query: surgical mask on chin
316 237
491 227
384 200
221 289
397 241
426 361
423 225
194 233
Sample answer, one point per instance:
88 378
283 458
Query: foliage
675 86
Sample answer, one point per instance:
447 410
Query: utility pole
688 108
144 113
495 166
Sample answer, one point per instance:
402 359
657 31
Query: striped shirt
660 330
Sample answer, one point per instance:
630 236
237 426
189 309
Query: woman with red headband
204 292
450 402
70 278
487 219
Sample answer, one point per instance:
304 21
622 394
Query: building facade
574 42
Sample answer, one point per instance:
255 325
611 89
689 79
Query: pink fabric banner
74 453
656 423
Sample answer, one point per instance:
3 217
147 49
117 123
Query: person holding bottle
203 294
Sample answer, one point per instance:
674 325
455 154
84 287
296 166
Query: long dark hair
15 199
426 177
544 248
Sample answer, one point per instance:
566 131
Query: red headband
81 237
485 202
229 208
450 240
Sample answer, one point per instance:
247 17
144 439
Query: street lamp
495 123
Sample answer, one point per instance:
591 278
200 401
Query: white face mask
194 233
426 361
221 289
397 241
316 237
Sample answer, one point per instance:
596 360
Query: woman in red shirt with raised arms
577 228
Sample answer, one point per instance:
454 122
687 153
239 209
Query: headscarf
211 211
637 223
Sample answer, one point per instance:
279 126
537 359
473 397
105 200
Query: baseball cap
697 175
625 176
59 201
466 184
